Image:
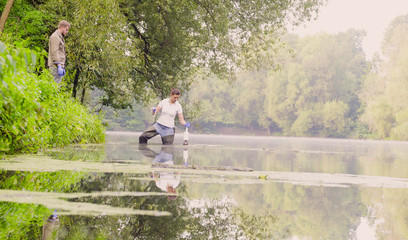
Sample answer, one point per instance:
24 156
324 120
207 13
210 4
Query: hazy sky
372 15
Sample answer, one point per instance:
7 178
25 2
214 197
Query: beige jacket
56 52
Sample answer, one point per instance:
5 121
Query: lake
217 187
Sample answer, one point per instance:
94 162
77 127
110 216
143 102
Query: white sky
372 15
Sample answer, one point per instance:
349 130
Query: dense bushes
28 25
34 114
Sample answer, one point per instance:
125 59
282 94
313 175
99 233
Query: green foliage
222 104
386 87
334 118
179 37
328 119
140 49
135 119
303 124
27 25
100 54
400 131
380 118
316 93
34 114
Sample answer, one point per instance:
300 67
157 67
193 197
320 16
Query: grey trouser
54 71
151 132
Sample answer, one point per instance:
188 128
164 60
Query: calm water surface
299 188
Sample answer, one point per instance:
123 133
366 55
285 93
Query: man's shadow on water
166 181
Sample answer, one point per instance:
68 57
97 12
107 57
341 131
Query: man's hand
61 71
187 125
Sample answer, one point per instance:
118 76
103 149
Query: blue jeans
152 131
54 71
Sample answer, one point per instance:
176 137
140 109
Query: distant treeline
323 87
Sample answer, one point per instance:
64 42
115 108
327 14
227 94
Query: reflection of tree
291 210
200 219
261 227
211 219
390 206
316 212
24 221
191 219
21 221
142 227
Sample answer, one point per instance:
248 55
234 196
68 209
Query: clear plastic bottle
186 137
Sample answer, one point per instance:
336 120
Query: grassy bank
34 113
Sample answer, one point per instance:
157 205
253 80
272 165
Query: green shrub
34 114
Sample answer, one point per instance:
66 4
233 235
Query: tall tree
27 25
4 14
140 49
316 93
386 114
99 52
179 37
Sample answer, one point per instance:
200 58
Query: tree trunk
75 84
5 14
83 95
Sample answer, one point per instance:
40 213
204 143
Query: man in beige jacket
56 52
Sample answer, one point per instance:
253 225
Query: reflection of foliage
314 212
211 219
388 212
336 211
191 219
260 227
142 227
95 153
23 221
291 210
47 181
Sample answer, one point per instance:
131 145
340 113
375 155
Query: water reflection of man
166 181
51 227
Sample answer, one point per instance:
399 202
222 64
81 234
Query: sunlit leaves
33 113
